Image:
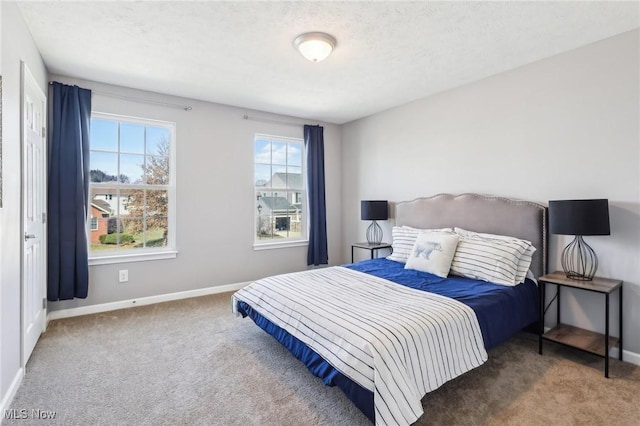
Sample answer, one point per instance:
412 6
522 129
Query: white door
33 204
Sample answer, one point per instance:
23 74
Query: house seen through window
280 189
131 185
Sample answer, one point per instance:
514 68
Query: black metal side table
584 340
371 247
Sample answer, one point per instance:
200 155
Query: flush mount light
315 46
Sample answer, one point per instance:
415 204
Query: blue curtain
68 191
314 142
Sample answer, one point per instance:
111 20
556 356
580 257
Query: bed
387 335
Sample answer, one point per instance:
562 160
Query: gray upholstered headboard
522 219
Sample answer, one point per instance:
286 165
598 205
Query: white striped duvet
395 341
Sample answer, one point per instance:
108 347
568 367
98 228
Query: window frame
303 240
148 253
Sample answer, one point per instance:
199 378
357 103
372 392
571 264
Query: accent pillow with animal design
404 237
433 252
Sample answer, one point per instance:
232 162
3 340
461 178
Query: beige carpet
193 362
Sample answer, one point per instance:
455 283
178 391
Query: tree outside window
131 180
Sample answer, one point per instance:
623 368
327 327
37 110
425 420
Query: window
132 187
280 190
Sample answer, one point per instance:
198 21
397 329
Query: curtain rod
270 120
146 101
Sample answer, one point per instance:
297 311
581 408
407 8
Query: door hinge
43 132
44 303
44 218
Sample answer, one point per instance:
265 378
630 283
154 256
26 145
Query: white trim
150 300
279 245
627 356
276 138
11 392
135 257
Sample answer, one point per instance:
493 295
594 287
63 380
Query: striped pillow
524 263
404 237
487 259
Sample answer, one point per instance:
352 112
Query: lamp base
374 233
579 261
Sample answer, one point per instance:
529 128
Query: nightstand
584 340
371 247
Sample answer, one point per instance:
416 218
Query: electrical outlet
123 275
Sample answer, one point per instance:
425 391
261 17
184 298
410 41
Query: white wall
17 46
215 201
564 127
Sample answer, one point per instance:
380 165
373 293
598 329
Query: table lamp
579 218
374 210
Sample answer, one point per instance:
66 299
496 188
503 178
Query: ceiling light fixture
315 46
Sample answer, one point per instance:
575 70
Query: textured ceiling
241 53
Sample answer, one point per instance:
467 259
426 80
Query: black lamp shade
374 210
579 217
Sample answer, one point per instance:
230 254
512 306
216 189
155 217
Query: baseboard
627 356
11 393
105 307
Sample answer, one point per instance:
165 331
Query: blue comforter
501 310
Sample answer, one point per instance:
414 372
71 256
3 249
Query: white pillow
433 252
487 259
404 237
524 262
